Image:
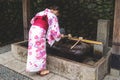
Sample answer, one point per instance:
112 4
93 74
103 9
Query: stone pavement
7 59
5 48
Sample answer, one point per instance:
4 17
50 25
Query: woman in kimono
44 27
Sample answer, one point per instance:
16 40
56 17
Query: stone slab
5 57
103 33
19 52
56 77
76 71
115 72
5 48
16 65
35 76
109 77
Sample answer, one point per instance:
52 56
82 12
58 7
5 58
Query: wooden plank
26 17
116 29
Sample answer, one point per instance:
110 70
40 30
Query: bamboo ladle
76 42
81 39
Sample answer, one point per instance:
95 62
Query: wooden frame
26 17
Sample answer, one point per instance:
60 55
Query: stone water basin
65 64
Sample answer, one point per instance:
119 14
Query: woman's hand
62 35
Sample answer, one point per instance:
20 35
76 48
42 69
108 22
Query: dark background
78 17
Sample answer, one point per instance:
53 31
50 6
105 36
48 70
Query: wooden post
116 29
115 57
26 17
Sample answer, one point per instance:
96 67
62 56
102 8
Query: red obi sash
41 21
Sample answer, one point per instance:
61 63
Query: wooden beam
116 29
26 17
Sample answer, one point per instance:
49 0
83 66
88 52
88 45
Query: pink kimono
38 33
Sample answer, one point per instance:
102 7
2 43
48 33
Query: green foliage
11 26
79 17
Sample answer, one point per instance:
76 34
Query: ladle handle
75 44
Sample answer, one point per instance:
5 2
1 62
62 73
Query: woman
44 26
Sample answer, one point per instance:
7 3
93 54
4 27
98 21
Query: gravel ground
8 74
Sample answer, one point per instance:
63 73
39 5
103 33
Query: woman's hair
54 7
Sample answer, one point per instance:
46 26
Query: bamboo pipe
87 41
81 39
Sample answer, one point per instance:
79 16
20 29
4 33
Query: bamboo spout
86 41
69 36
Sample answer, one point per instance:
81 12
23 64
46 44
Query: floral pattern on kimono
36 59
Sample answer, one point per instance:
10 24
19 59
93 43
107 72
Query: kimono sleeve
53 33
